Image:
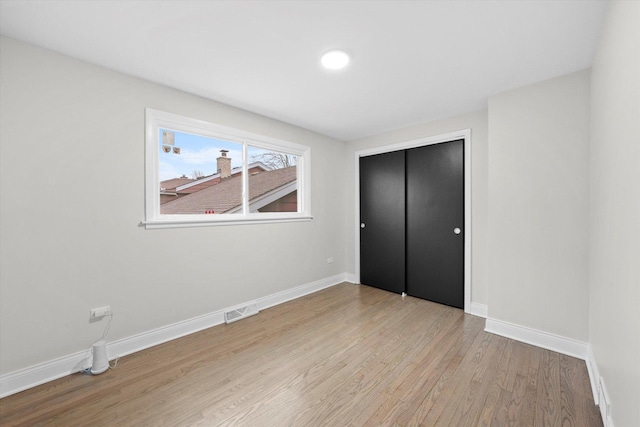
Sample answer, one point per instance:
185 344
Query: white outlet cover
100 312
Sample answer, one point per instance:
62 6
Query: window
201 174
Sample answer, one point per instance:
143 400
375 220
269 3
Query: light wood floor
346 356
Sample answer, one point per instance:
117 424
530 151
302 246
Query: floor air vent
238 313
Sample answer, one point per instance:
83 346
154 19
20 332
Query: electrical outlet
330 260
95 313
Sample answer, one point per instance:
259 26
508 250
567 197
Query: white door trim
461 134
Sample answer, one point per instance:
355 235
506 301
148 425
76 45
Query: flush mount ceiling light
335 59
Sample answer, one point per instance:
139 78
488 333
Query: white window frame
155 120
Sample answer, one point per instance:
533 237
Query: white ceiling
412 61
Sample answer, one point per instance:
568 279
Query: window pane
273 182
198 175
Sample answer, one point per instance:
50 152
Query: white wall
615 210
538 206
72 196
477 122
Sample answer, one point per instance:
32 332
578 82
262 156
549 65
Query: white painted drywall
615 210
477 122
72 196
538 206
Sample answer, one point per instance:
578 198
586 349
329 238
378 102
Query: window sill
184 223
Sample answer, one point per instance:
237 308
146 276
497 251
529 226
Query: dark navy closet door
382 221
435 223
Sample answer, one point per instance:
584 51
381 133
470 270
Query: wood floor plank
528 412
349 355
486 366
407 392
548 395
493 393
458 400
436 401
574 412
413 384
568 409
395 354
409 380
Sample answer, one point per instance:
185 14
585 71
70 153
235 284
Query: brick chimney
224 164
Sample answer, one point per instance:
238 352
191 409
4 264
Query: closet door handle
362 225
457 230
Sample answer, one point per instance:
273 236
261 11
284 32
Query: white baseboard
32 376
563 345
594 374
557 343
479 310
568 346
598 388
290 294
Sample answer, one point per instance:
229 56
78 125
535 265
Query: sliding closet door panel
435 223
382 221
